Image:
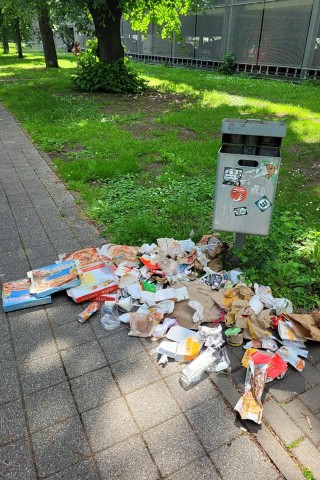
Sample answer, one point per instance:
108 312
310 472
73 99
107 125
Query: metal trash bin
247 175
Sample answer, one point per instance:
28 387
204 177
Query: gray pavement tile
62 309
288 387
309 456
49 406
278 455
31 320
41 251
314 352
39 344
159 407
60 446
83 359
32 238
72 334
9 386
42 262
298 412
41 373
280 422
63 245
243 459
200 469
214 423
120 346
16 462
11 257
86 470
12 422
13 242
7 359
108 424
4 329
198 394
128 461
135 373
94 388
311 399
14 272
173 444
235 363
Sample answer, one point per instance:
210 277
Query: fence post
311 38
228 26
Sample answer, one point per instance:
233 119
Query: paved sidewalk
77 402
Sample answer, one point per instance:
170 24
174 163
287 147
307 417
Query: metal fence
280 37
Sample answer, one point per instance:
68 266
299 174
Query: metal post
228 27
311 38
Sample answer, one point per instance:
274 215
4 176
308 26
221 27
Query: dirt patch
66 154
150 103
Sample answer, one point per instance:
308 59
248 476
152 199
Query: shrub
92 75
227 64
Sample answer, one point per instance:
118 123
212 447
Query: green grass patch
295 443
308 475
145 164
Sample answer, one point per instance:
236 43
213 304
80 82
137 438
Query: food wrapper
142 325
249 405
90 310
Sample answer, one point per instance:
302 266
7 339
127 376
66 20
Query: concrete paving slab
109 424
9 386
214 423
60 446
94 388
7 359
130 460
72 334
49 406
144 372
16 461
12 422
173 444
311 399
41 373
243 459
160 406
200 469
83 359
86 470
120 346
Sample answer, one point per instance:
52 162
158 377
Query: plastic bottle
213 359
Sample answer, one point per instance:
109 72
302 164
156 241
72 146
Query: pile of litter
166 291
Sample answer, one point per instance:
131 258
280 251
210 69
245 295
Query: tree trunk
49 48
107 20
18 38
5 41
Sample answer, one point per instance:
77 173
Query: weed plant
145 164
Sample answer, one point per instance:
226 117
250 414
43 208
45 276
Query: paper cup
125 304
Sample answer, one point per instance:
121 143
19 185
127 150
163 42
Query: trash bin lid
256 127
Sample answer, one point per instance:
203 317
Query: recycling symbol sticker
263 204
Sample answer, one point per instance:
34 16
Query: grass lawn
145 165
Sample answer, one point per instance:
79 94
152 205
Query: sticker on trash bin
239 211
232 176
263 204
238 193
268 170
